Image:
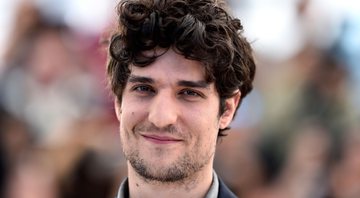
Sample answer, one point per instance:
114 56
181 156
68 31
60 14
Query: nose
163 110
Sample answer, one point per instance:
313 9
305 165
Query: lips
161 139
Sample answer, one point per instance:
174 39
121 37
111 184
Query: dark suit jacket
224 191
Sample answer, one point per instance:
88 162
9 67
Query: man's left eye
190 93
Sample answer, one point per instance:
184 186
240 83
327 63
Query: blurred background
297 135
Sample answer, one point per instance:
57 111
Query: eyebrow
184 83
194 84
140 79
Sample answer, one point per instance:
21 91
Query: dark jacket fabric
224 191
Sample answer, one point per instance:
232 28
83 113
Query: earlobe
231 105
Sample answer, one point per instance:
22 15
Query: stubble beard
182 169
179 171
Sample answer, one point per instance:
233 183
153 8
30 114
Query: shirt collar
214 188
212 193
124 189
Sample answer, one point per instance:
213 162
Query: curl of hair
198 30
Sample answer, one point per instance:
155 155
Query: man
179 70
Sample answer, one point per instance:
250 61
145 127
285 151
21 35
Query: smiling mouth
160 139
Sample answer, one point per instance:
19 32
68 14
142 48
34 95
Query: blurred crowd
297 135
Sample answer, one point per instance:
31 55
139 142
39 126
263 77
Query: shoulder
224 191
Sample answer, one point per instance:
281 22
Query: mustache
151 127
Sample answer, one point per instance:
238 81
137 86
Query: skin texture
169 121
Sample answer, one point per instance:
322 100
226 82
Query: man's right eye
143 89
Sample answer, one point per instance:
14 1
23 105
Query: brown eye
190 93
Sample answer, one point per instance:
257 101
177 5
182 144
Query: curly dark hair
200 30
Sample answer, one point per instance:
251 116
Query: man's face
169 119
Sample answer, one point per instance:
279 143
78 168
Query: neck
196 185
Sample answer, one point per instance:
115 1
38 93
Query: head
178 70
199 30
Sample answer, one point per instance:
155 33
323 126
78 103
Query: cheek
127 136
205 126
132 112
128 120
205 143
206 119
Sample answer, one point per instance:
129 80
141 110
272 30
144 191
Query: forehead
172 66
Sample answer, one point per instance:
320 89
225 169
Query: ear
230 107
117 107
